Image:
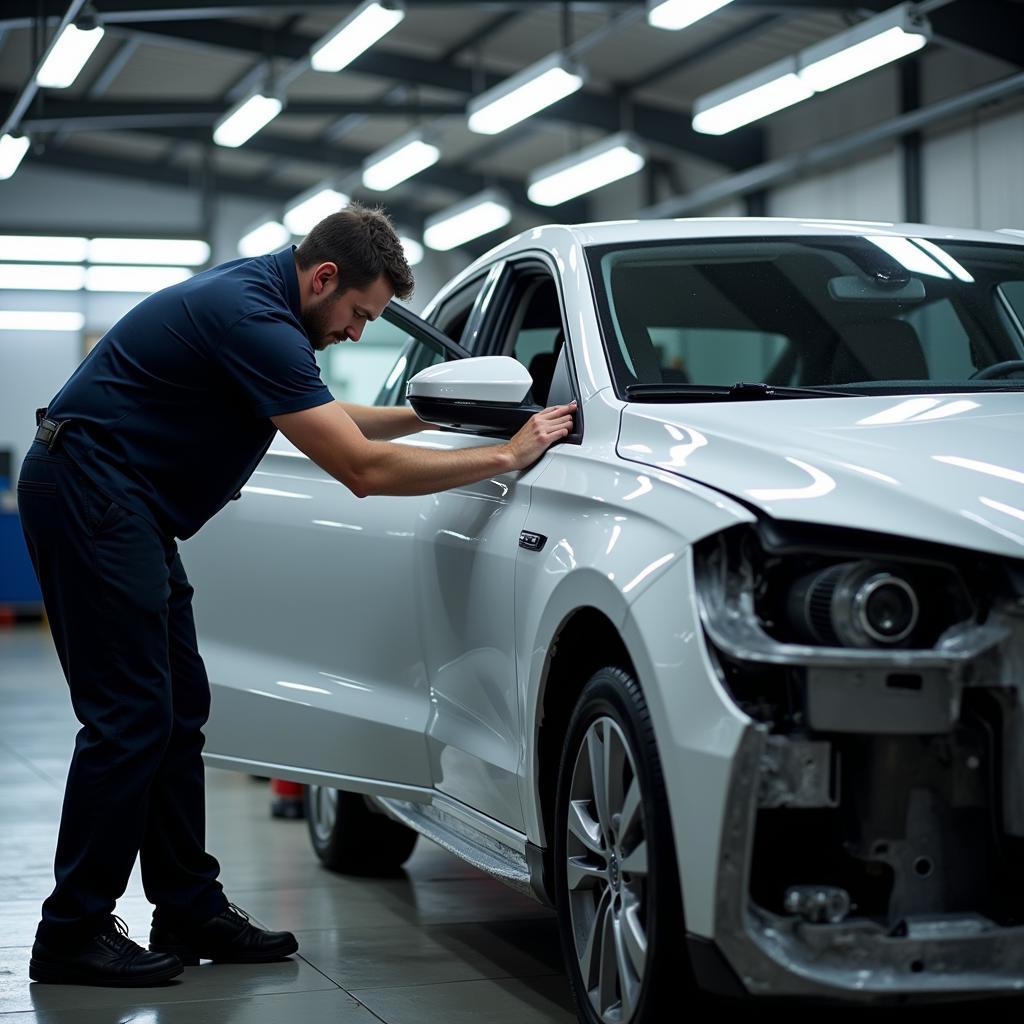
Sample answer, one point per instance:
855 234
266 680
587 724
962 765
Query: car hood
947 468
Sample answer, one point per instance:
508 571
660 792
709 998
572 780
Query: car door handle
532 541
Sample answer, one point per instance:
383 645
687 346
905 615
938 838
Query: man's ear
323 276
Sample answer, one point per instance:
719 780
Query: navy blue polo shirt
170 412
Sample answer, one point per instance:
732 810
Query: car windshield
872 314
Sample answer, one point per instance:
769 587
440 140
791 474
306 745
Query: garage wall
973 174
970 169
867 190
33 367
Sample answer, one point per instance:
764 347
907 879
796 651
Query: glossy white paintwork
943 467
480 379
422 630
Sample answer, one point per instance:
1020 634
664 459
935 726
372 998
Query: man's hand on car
540 432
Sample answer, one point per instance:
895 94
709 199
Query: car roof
552 236
759 227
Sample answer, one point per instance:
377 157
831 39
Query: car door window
531 329
454 314
424 345
452 318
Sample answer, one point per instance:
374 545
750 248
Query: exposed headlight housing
853 604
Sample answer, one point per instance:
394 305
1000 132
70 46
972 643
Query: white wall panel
868 190
38 197
973 174
33 367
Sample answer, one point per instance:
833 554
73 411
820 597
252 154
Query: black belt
49 432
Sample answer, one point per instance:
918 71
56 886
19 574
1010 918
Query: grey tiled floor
442 943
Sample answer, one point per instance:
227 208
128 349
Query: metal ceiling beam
787 169
731 38
659 125
28 91
343 159
77 115
161 173
992 27
21 12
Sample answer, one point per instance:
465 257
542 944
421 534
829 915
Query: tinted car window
855 311
452 316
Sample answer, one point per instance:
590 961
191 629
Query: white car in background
734 676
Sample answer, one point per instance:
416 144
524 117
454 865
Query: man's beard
315 322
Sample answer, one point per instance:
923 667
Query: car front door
309 622
467 543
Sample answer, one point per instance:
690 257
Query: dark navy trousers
120 609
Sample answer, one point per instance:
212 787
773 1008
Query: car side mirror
485 394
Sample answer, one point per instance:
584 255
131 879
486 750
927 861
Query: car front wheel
619 907
348 836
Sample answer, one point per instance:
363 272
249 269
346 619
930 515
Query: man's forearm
407 470
383 423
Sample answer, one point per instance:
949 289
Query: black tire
351 838
608 902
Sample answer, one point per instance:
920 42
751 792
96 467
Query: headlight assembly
853 604
842 630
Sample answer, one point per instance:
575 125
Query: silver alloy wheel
606 871
323 809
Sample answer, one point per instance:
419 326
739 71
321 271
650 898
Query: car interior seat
641 350
878 350
542 369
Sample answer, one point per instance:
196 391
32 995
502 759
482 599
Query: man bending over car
159 427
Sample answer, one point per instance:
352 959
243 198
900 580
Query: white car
734 676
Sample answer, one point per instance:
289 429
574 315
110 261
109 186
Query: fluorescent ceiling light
600 164
523 95
908 255
133 279
67 56
41 277
311 207
750 98
268 237
42 248
29 320
872 44
677 14
12 149
412 249
479 215
181 252
243 121
356 34
401 160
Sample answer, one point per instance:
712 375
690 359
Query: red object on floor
287 799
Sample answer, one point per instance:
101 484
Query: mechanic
157 430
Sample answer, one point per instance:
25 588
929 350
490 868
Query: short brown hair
363 243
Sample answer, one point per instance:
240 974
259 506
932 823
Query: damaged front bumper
932 956
873 840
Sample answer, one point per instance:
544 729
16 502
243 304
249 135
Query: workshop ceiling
145 104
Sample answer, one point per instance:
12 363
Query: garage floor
445 943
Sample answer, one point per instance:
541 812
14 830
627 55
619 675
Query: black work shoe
228 938
110 958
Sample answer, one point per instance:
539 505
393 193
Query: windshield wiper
740 391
